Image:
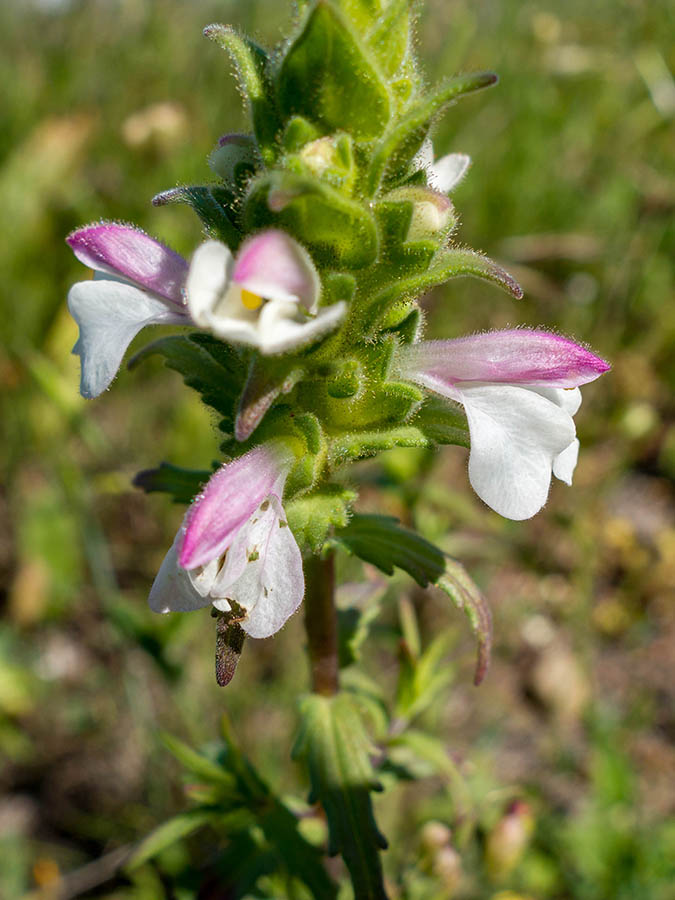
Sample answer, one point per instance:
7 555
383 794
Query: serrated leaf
251 65
169 833
214 369
312 516
335 747
181 484
211 203
326 76
340 231
397 148
384 543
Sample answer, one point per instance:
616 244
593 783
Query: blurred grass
106 103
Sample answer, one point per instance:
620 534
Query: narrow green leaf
251 65
211 203
460 587
383 542
199 765
361 444
335 747
448 264
326 76
181 484
397 148
208 365
169 833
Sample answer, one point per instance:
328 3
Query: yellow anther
250 300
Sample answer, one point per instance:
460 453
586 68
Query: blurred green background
569 745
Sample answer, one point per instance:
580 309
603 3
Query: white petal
516 434
263 572
280 331
208 279
447 172
568 399
565 463
110 313
176 590
236 331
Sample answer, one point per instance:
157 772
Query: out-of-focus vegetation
558 778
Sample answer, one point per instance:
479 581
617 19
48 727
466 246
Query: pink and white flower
235 547
266 297
137 282
443 174
520 390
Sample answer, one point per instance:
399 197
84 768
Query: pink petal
517 356
230 498
132 254
276 267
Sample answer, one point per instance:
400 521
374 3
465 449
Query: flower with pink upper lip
235 550
138 282
519 389
267 296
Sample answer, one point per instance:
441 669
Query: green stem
321 623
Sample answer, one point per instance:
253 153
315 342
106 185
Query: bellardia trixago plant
302 329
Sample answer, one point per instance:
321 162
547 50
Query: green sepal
182 485
399 145
298 132
447 264
406 323
326 75
361 444
214 369
384 543
338 286
341 232
442 422
335 747
251 65
312 516
390 37
211 203
345 380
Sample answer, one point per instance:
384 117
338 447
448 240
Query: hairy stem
321 623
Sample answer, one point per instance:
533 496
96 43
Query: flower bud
432 214
508 840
